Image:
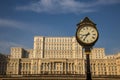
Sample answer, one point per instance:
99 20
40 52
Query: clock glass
87 34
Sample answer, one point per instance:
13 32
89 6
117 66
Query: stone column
73 68
62 67
53 68
70 67
65 68
50 67
83 71
43 68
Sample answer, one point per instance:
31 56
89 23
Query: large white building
60 55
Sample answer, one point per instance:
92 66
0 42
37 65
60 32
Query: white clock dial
87 34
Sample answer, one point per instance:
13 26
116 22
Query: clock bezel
80 41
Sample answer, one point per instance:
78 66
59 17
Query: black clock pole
88 71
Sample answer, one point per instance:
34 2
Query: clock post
88 71
87 35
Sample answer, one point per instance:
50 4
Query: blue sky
21 20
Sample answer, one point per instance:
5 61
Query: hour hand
83 34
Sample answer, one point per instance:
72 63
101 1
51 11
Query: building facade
60 55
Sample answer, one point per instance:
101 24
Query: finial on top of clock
86 20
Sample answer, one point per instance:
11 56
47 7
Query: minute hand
86 36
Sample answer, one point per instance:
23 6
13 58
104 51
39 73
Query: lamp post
87 35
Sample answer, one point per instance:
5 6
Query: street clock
86 33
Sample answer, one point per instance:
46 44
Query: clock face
87 34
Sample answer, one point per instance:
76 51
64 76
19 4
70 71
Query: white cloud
28 27
115 50
65 6
11 23
108 2
5 46
17 24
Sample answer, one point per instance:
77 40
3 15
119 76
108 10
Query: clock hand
86 36
83 34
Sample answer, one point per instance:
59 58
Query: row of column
25 68
13 68
57 67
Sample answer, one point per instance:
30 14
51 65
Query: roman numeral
93 37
